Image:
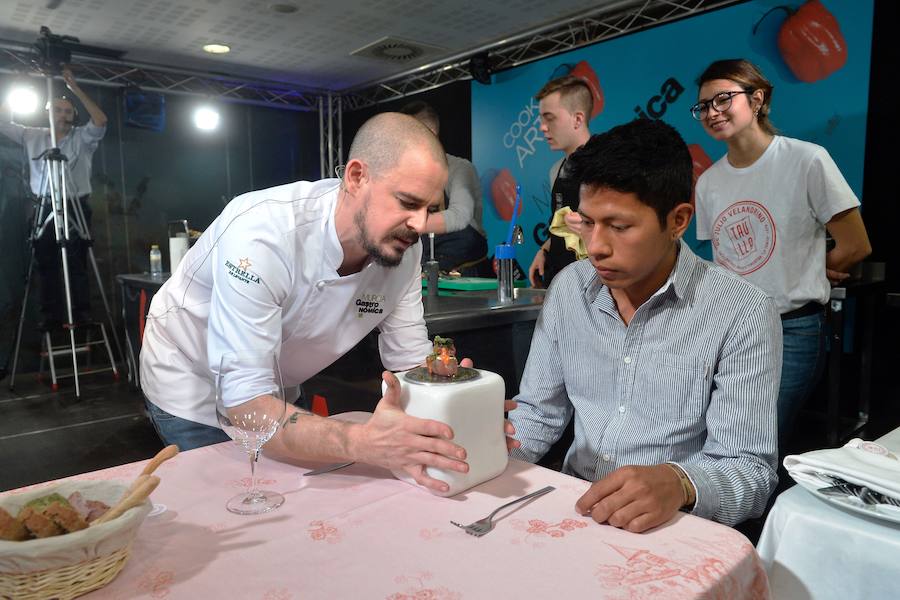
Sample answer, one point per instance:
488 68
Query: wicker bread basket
73 564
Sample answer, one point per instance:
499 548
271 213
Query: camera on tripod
61 210
52 51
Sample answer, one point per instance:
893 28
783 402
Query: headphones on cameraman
71 103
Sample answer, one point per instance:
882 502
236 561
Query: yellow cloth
559 228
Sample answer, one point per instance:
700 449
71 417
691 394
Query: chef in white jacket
306 270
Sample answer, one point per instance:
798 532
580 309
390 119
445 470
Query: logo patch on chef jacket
241 271
369 304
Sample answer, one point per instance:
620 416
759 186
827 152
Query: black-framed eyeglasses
720 102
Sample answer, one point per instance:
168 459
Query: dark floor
46 435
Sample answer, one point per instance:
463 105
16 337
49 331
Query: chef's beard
373 249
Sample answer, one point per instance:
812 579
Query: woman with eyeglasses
766 206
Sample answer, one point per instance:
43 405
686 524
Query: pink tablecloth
359 533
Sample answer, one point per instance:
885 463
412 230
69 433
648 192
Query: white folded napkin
863 463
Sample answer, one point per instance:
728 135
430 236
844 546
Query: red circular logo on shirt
743 237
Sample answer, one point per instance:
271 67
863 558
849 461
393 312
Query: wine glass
250 408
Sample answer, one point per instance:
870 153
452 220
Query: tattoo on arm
295 416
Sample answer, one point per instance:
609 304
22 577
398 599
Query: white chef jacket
264 277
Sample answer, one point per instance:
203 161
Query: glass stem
254 456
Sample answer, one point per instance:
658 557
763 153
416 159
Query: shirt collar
678 281
334 253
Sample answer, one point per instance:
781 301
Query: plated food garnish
442 361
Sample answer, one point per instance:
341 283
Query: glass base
254 504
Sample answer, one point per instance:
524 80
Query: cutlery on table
483 526
865 495
328 468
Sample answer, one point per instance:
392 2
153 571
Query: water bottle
155 262
506 256
432 270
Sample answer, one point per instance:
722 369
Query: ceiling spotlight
480 68
217 48
22 100
206 118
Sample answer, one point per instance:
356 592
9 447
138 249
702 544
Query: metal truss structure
19 59
331 145
603 23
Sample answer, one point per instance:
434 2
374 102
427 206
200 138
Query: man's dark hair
422 111
644 157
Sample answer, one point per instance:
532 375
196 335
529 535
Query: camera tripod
61 210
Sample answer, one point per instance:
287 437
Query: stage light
480 68
206 118
22 100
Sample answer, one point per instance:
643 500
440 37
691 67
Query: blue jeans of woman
802 364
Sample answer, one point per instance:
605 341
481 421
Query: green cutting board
470 283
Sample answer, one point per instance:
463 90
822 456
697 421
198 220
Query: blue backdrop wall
652 74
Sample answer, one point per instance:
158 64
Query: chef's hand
634 498
394 440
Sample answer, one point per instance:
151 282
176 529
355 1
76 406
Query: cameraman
77 144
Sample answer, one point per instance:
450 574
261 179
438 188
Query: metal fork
862 493
483 526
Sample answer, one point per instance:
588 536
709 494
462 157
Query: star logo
244 264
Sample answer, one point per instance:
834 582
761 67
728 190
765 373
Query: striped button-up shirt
691 380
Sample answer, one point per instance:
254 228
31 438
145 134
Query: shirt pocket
674 387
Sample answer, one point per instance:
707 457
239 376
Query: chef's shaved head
383 139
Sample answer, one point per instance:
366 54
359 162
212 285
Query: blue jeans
187 435
802 365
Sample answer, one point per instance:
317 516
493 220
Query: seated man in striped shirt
668 364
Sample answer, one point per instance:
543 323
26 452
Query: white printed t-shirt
264 276
767 221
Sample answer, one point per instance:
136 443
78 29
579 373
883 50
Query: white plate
853 504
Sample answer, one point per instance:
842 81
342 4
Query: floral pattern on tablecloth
432 533
244 483
322 531
217 527
537 530
156 581
702 570
418 588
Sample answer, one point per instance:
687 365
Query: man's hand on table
634 498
